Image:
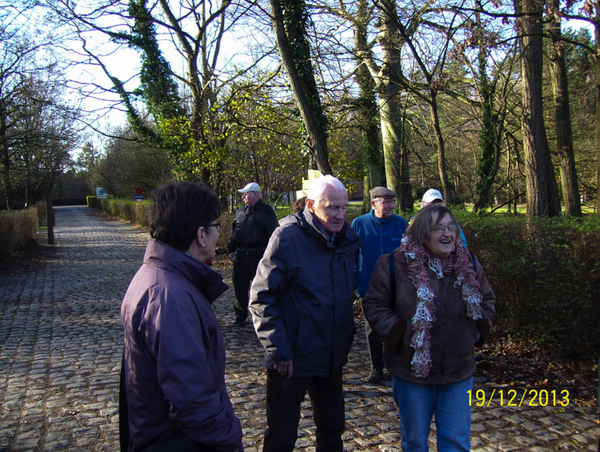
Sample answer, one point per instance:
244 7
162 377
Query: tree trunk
542 192
5 156
447 191
596 58
370 146
562 112
389 101
293 47
489 136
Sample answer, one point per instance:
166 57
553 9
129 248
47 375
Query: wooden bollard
49 219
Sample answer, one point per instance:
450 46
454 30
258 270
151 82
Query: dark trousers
179 443
375 347
284 397
244 269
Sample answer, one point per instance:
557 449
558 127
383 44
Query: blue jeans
419 402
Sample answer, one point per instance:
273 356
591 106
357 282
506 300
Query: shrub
132 211
546 276
17 229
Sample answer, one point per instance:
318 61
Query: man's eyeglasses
439 229
218 225
388 202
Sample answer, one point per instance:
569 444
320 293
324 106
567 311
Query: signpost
139 194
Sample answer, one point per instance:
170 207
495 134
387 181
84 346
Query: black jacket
252 226
302 296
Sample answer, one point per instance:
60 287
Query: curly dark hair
178 210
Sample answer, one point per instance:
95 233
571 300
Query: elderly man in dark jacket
250 232
301 302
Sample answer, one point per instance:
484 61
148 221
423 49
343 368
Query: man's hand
231 256
285 368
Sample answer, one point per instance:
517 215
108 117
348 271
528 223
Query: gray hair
318 186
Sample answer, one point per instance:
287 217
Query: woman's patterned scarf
459 264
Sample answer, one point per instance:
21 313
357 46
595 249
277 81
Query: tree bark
562 112
389 103
596 59
542 192
370 145
290 35
491 129
446 189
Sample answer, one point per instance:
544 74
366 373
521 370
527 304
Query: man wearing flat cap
380 231
250 232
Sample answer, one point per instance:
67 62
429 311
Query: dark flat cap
382 192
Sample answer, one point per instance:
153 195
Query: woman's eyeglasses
439 229
218 225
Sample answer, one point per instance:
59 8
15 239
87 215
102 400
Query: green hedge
545 273
17 230
546 276
132 211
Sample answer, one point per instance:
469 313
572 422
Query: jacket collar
256 206
378 220
205 279
307 220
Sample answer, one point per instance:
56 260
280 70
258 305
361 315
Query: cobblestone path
60 351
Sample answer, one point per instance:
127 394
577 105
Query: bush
132 211
546 276
17 230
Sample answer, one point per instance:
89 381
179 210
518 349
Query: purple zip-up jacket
174 354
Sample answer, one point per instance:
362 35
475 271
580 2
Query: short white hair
318 186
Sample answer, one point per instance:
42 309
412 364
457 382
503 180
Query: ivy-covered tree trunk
542 191
290 18
489 144
562 112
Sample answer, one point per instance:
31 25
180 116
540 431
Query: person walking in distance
250 232
302 307
380 230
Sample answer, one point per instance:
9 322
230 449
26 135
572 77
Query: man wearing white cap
250 232
431 196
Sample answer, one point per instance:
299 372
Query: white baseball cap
252 186
432 195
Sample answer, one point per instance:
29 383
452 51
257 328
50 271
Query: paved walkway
60 351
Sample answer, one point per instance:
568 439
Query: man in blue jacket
380 230
301 303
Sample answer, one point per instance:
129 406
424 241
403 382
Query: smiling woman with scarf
437 308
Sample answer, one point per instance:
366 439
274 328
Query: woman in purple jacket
174 357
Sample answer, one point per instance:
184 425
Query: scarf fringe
459 264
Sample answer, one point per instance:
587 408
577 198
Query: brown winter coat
453 334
